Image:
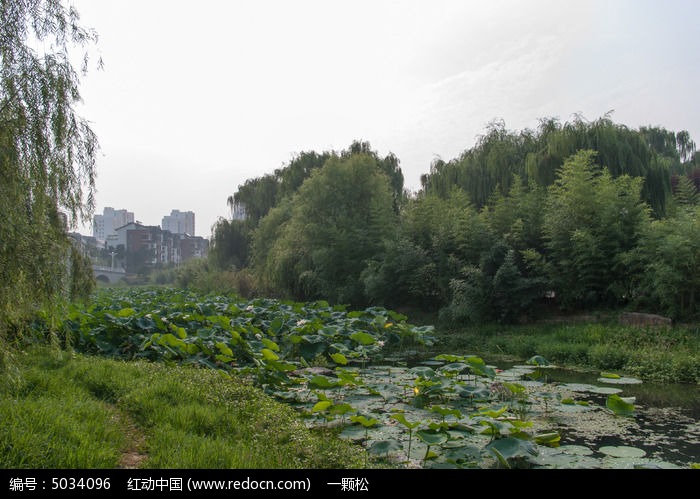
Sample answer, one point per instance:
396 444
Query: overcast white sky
197 97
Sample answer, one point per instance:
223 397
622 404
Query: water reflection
683 396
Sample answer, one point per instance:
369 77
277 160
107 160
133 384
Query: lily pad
463 454
619 406
523 367
353 433
566 461
636 463
549 439
431 438
587 388
401 418
363 338
339 358
323 382
623 451
579 387
423 371
537 360
605 390
367 423
574 408
472 392
453 444
383 447
510 448
663 465
321 406
341 409
576 450
454 368
432 363
530 383
621 381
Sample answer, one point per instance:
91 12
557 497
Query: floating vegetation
450 411
620 380
623 451
537 360
586 388
620 406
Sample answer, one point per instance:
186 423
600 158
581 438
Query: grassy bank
63 410
655 354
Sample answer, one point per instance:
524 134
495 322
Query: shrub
571 353
608 356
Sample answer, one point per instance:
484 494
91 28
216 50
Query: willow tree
536 156
47 151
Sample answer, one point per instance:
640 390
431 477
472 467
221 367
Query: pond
446 413
666 421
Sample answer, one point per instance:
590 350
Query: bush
570 353
519 346
608 356
665 367
200 275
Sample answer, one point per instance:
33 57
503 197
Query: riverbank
657 354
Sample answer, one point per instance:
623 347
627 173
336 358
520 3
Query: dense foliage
580 216
271 337
47 155
331 365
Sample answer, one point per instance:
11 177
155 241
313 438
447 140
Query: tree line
579 214
576 216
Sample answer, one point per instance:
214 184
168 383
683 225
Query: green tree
670 250
518 216
438 237
388 164
592 222
490 166
341 219
686 147
503 287
256 197
406 276
297 171
47 151
273 268
686 192
229 246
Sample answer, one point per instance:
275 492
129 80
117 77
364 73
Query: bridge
108 275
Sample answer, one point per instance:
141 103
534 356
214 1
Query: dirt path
133 453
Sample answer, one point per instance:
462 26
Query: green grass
653 353
64 410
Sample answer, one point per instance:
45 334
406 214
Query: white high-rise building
179 222
105 225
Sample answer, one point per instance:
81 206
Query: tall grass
653 353
73 411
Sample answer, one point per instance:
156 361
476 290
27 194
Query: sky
194 98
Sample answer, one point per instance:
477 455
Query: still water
666 423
